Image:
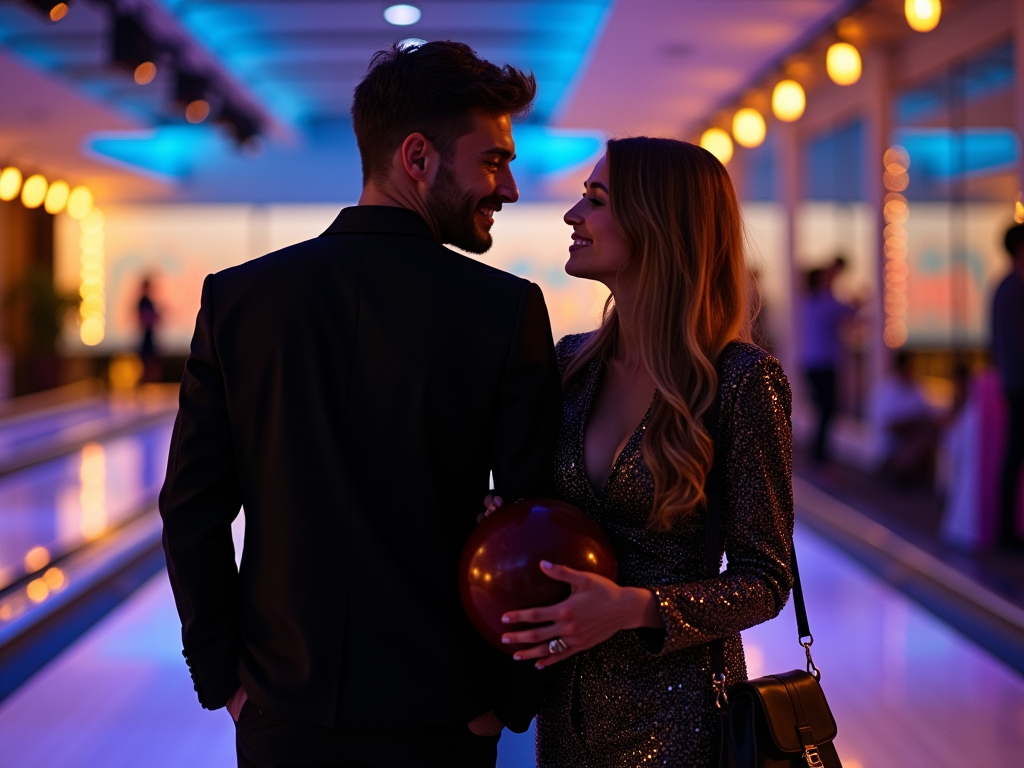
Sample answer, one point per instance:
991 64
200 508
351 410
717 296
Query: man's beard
454 212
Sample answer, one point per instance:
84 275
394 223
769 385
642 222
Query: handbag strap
713 550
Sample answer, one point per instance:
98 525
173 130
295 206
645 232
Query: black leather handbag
775 721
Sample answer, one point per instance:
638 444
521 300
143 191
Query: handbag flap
786 698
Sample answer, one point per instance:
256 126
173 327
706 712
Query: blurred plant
45 307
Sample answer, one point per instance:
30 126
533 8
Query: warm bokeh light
145 73
125 372
10 183
717 142
402 15
54 579
788 101
57 197
33 191
92 278
58 12
896 155
197 111
1018 209
922 15
895 212
748 128
80 203
36 558
843 63
92 496
37 590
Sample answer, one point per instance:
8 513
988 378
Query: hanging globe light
788 101
717 142
922 15
748 128
843 63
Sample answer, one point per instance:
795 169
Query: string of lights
788 99
895 213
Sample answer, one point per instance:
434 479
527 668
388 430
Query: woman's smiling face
598 250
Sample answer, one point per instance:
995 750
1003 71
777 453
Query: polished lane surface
906 690
50 509
73 424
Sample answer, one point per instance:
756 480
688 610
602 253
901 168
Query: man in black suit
353 393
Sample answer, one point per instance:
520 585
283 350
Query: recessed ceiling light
402 15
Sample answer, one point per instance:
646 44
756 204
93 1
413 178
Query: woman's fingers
553 658
566 574
543 655
491 503
536 634
534 615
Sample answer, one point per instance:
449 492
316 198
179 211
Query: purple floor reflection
50 509
906 690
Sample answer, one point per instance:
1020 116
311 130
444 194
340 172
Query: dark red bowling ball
500 567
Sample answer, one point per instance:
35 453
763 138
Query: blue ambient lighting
542 151
169 153
402 15
940 153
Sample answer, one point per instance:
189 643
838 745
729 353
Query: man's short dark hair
1014 241
432 89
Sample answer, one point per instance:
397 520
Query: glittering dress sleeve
757 515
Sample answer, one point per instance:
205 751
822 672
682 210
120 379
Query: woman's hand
491 504
596 610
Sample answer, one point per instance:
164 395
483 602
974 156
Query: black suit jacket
353 392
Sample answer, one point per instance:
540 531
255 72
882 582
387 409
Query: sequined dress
644 697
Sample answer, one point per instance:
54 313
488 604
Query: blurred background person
148 317
906 423
1008 355
821 316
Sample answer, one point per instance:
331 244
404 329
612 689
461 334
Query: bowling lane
906 690
50 509
39 435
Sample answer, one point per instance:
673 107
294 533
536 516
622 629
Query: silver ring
557 646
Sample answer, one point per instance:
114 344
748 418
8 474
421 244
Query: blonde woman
629 681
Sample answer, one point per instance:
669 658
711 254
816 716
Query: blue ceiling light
169 153
542 151
402 15
941 153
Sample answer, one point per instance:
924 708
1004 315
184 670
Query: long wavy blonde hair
676 207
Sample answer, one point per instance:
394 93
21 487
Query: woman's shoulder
568 346
745 366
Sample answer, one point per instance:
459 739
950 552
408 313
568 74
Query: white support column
788 178
878 77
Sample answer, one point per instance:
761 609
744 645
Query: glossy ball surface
500 567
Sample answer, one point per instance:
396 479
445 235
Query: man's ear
418 157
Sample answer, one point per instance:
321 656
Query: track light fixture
53 10
131 45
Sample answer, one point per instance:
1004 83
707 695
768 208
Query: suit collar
380 219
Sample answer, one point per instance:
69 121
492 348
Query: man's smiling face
474 183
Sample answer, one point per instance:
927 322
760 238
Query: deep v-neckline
594 375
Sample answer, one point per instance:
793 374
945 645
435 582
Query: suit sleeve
529 413
198 502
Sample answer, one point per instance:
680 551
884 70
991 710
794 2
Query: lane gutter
984 616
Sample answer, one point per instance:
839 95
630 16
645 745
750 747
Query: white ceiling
662 66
